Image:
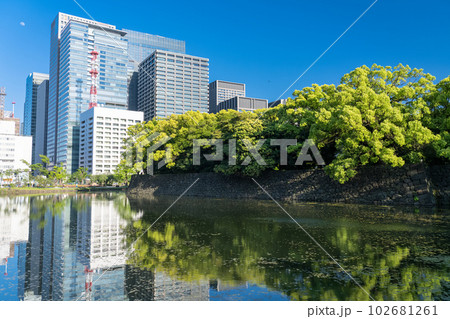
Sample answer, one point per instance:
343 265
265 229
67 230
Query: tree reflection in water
395 254
217 249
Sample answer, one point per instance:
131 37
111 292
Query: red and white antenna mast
94 73
14 107
2 101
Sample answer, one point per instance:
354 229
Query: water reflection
58 247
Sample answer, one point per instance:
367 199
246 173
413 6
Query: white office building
102 134
13 149
242 103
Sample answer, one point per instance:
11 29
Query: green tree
58 174
123 172
102 179
99 179
439 119
374 116
81 175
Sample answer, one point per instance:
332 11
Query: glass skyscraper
120 51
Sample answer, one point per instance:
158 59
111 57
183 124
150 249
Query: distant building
13 149
278 102
101 137
172 83
8 116
30 107
220 91
140 46
40 139
240 103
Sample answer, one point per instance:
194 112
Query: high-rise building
40 138
278 102
72 40
242 103
140 46
101 138
30 106
13 149
220 91
172 83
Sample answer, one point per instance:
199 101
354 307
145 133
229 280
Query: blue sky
265 44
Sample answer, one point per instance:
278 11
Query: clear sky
265 44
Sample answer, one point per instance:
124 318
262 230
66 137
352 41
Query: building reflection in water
14 214
58 248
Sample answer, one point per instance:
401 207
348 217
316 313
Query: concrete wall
379 185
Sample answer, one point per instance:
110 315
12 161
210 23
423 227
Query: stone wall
440 177
379 185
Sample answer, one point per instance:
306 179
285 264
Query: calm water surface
74 247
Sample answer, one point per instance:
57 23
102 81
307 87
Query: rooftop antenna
14 107
2 101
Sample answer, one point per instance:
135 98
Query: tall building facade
220 91
72 39
101 140
172 83
40 138
30 107
242 103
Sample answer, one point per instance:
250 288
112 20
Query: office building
15 122
172 83
30 106
13 149
72 40
220 91
40 138
278 102
8 116
241 103
140 46
101 138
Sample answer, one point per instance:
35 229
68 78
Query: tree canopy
376 116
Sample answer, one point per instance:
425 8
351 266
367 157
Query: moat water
105 246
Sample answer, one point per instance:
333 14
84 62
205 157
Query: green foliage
374 116
42 176
80 175
439 119
99 179
377 115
